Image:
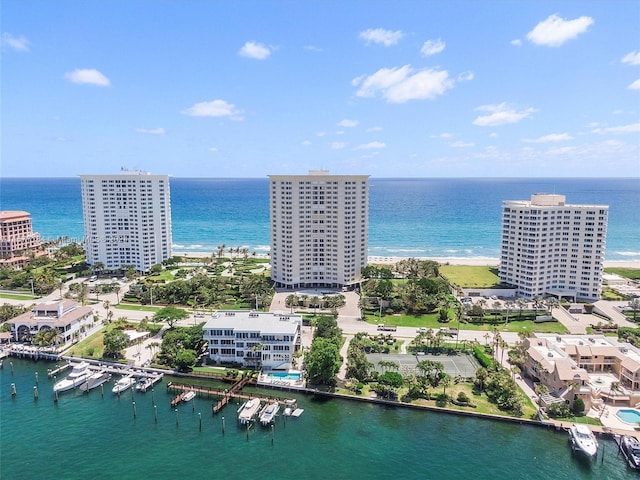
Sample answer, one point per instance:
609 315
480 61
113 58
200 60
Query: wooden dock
225 396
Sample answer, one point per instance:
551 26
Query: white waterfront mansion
253 339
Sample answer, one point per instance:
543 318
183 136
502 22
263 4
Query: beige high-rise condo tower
553 248
319 229
127 219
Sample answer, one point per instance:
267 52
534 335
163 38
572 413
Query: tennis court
454 365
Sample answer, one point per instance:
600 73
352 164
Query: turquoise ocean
96 436
427 217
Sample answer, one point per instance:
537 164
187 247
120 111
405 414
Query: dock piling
13 390
155 413
36 378
134 410
177 422
222 425
199 421
35 392
11 365
272 434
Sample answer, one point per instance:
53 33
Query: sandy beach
492 262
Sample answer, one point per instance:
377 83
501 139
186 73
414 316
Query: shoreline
381 260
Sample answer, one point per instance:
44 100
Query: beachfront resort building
71 321
319 229
17 239
551 248
127 219
599 369
253 339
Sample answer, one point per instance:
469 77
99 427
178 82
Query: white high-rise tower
127 219
319 229
552 248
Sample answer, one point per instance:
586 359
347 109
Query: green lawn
631 273
18 296
431 321
143 308
465 276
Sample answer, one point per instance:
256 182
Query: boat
583 440
95 380
290 405
79 374
188 396
297 412
249 411
268 413
123 384
630 447
145 383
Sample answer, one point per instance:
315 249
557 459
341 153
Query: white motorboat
79 374
190 395
145 383
95 380
123 384
268 413
630 447
249 411
583 440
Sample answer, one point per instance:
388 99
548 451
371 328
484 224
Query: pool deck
266 379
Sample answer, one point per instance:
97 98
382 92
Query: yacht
188 396
79 374
95 380
268 414
583 440
249 411
630 447
145 383
123 384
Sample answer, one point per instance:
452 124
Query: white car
421 330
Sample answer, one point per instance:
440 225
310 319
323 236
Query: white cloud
501 114
635 85
554 31
632 58
313 48
255 50
348 123
151 131
432 47
306 142
460 144
552 137
381 36
20 44
88 76
374 129
465 76
631 128
401 84
321 134
213 149
338 145
443 135
215 108
516 42
371 146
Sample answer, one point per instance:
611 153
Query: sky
385 88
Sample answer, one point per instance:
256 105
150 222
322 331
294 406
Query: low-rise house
65 316
600 370
253 339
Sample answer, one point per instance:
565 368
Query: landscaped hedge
485 360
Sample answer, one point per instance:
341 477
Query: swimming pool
284 375
629 415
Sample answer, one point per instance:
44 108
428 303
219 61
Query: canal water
95 436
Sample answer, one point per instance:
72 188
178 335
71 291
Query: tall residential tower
552 248
127 219
319 229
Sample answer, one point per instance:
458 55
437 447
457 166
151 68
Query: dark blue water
408 217
97 437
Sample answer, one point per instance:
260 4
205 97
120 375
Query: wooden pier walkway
225 395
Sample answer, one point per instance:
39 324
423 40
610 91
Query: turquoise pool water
629 416
284 375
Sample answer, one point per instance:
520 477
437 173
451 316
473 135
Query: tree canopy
170 315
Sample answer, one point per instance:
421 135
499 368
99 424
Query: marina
347 435
249 411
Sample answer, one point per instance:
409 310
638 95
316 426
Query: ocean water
432 217
97 437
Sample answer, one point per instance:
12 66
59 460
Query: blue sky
252 88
